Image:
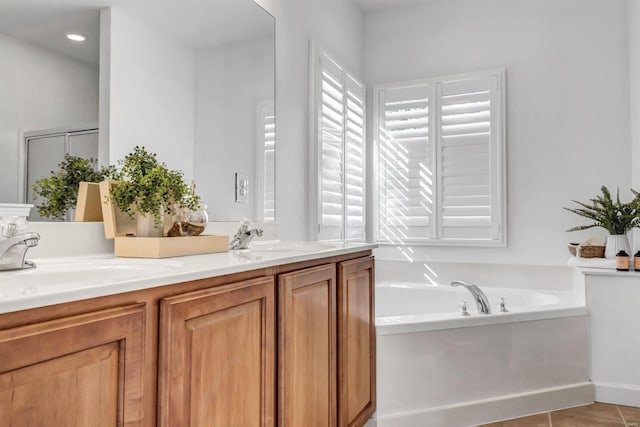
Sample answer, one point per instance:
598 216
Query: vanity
279 335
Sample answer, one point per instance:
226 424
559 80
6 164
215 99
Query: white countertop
59 280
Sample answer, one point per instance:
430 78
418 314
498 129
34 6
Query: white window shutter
466 165
405 163
341 152
331 152
440 160
354 151
265 161
269 187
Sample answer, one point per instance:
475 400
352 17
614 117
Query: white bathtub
409 307
438 368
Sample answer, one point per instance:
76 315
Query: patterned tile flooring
594 415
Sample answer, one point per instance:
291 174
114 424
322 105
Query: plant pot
615 244
146 227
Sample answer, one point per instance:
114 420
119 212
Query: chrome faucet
481 299
13 250
244 235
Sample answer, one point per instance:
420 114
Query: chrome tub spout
481 299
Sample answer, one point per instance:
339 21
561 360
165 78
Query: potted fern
148 189
614 216
57 194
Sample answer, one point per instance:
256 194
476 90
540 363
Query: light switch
242 188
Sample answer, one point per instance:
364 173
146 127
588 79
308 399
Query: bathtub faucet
481 299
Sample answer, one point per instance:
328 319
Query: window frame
500 160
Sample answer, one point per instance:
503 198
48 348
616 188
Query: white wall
567 103
39 90
634 89
634 99
336 25
230 81
141 60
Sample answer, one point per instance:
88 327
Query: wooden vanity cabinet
356 342
290 345
307 347
83 370
217 356
326 346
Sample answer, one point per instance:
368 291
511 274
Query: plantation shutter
341 139
331 137
265 161
354 160
269 153
439 159
467 160
405 163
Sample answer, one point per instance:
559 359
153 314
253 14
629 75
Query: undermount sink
52 272
282 246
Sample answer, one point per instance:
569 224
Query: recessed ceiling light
78 38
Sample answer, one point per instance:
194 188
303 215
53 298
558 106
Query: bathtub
438 368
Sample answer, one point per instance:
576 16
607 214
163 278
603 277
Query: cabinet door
356 342
217 356
83 370
307 348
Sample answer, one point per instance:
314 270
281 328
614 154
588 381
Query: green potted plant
612 215
58 193
148 189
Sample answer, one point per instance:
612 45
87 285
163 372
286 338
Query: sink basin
54 273
282 246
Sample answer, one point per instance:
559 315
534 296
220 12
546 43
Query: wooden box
89 205
164 247
121 228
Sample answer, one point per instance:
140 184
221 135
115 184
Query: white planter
145 227
615 244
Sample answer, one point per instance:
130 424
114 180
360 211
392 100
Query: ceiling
375 5
201 23
46 25
196 23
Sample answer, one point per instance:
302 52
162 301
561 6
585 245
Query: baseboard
495 409
620 394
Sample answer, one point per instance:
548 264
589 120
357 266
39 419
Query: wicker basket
589 251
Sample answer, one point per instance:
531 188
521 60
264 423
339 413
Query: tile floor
594 415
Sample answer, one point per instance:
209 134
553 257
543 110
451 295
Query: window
439 158
338 136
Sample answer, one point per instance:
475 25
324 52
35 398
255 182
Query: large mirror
192 80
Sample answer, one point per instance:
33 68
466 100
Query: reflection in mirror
190 80
48 91
194 82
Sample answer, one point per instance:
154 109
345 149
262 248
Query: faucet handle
12 225
245 224
8 229
32 241
464 311
503 306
